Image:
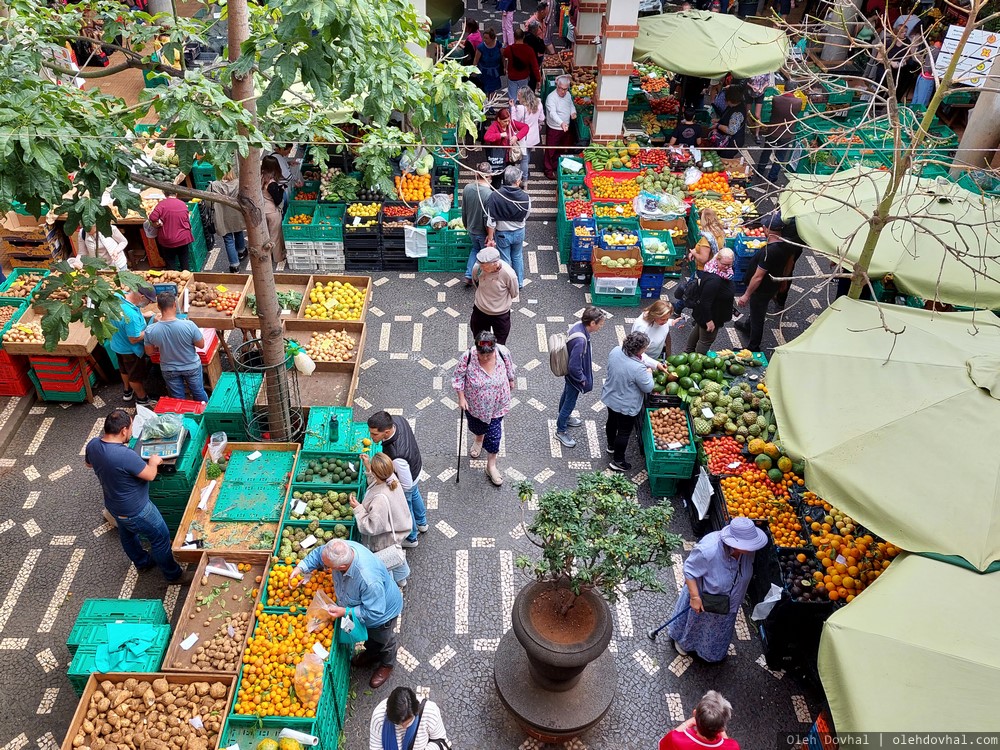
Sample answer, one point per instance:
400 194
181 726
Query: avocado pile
293 536
329 471
325 506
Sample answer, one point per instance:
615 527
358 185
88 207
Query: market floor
57 550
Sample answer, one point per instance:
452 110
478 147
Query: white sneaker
574 422
567 440
422 529
408 544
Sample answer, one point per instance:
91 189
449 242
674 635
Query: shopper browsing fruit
363 584
177 340
483 380
126 343
125 479
496 292
716 576
400 444
401 722
627 381
579 376
560 112
711 302
173 234
706 727
655 322
383 517
772 262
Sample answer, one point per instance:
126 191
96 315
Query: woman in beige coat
383 517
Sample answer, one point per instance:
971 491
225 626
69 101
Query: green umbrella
930 216
708 45
918 651
899 430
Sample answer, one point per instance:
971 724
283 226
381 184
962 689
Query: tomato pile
576 209
226 302
667 105
723 453
653 157
304 196
394 211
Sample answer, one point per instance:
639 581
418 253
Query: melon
785 464
775 475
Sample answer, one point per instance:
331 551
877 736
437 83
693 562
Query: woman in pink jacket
501 135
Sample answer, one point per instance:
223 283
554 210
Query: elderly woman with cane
716 576
483 381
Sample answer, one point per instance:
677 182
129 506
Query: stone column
614 64
588 33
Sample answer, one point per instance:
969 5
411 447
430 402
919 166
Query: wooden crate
302 330
79 343
173 678
191 621
209 317
219 533
283 282
361 282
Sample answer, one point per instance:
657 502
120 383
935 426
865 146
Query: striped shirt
431 728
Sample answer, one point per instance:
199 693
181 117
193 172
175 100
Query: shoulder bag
514 152
719 604
440 743
394 555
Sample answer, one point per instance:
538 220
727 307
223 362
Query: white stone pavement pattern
56 550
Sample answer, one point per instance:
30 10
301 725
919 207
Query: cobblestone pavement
56 550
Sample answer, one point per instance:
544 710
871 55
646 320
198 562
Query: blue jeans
148 523
417 509
514 86
401 573
478 243
923 90
193 379
782 155
567 403
235 243
511 246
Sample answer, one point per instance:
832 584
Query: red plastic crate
45 376
212 346
167 405
16 386
18 361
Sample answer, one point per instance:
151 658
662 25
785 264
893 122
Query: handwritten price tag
707 413
188 642
673 446
308 542
300 508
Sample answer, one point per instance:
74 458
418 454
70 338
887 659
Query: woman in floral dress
483 380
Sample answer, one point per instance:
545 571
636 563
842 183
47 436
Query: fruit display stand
95 681
331 382
79 345
209 317
667 464
16 288
361 283
212 602
197 530
247 321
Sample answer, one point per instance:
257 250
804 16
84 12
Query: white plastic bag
304 363
217 446
415 242
692 175
762 610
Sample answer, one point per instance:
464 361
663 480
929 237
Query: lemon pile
335 300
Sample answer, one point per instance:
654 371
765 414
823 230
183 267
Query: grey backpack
559 352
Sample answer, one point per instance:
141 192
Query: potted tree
597 543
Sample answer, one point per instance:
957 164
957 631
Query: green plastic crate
663 486
568 175
20 308
12 277
82 665
658 259
305 457
317 437
677 463
328 222
273 467
103 611
615 300
299 232
441 265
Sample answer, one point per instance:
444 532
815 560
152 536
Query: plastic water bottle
334 429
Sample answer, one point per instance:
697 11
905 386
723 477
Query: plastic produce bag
309 679
318 613
304 363
162 427
762 610
415 242
692 175
217 446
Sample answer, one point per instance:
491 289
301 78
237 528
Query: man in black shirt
687 132
773 261
399 443
533 37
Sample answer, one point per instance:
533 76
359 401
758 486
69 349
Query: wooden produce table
333 383
247 322
226 537
211 602
94 683
359 282
79 345
209 317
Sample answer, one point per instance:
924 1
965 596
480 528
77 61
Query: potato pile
167 277
670 428
201 294
22 285
6 313
138 715
331 346
25 334
222 653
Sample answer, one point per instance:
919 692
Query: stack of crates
90 630
61 378
582 243
612 286
224 411
394 257
658 254
299 237
447 249
14 380
666 467
444 167
363 244
202 173
744 257
199 247
170 491
318 246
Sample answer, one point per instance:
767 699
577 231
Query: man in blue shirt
363 583
125 479
178 341
126 343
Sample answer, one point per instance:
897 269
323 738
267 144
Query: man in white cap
716 576
496 291
363 584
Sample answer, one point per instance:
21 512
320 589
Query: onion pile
331 346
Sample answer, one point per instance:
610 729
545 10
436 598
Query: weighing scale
168 449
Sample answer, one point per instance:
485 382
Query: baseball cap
488 255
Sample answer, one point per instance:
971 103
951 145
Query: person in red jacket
705 729
522 65
501 135
174 236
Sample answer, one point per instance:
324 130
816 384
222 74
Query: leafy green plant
597 537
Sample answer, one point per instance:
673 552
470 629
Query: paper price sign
673 446
707 413
221 289
308 542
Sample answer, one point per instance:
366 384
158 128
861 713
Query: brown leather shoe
364 658
381 675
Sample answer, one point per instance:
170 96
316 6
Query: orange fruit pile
612 212
413 187
281 594
301 219
603 186
851 562
750 495
277 646
715 182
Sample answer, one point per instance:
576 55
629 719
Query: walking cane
461 436
656 631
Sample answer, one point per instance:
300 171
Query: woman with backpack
711 301
483 381
576 367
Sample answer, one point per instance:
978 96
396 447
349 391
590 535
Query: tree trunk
258 242
982 134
